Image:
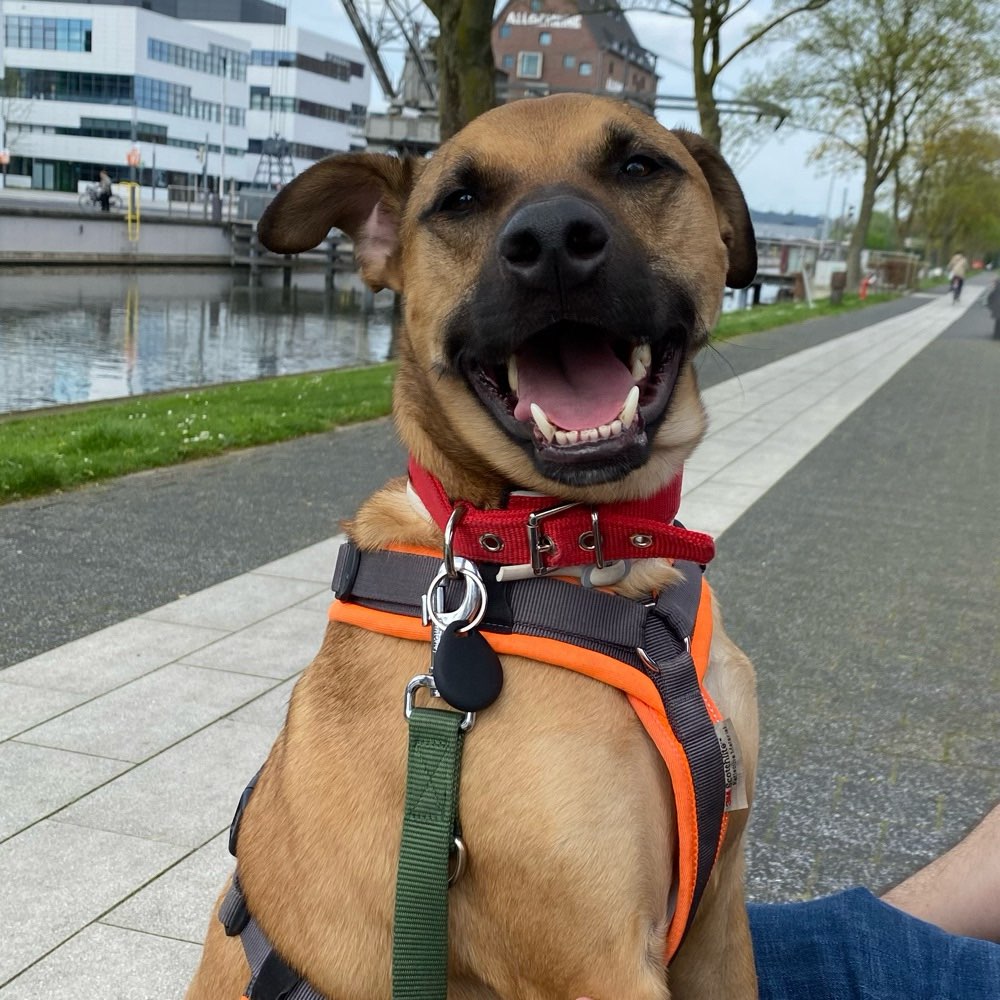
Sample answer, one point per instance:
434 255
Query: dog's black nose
562 240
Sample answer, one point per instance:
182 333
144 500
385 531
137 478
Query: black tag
467 673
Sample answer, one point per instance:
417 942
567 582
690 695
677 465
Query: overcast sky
775 175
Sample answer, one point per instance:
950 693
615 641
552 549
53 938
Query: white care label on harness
732 761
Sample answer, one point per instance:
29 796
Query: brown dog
560 240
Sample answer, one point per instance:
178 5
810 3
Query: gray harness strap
543 607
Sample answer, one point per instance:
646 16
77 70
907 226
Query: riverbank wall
33 235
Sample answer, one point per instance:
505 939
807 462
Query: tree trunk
860 233
465 62
704 96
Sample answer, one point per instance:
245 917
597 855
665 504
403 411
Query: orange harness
666 692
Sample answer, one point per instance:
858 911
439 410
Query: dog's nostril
585 239
521 247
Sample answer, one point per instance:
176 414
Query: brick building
556 46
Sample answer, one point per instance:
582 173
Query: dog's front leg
716 960
223 972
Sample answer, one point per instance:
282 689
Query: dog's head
561 260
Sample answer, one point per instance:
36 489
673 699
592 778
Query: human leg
850 946
959 891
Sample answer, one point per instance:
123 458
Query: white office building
85 84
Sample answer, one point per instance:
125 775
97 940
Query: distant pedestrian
993 304
956 273
104 191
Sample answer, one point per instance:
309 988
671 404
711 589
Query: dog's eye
458 202
640 166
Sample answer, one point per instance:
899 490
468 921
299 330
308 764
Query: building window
529 65
536 6
586 69
611 67
62 34
507 62
505 31
569 62
545 38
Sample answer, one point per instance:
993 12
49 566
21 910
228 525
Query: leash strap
420 926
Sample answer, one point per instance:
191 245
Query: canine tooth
542 422
631 407
561 437
512 373
605 431
640 360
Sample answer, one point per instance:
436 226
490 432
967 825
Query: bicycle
90 200
956 287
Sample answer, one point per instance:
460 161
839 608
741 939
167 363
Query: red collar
548 533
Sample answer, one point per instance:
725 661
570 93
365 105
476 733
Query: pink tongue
578 384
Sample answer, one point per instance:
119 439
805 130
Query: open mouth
581 395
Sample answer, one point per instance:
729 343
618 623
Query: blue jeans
852 946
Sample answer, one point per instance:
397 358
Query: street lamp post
222 147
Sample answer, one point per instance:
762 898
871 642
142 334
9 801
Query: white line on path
765 422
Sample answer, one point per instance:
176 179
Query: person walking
993 304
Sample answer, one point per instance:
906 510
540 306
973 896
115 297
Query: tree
869 73
708 19
954 200
464 61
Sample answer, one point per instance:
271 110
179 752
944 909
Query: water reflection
70 336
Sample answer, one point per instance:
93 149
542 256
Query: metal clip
427 681
471 608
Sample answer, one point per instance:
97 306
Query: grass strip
732 324
41 453
55 451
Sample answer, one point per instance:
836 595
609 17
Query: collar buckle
540 545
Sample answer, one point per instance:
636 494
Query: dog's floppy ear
361 193
730 206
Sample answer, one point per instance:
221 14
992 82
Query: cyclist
956 271
104 191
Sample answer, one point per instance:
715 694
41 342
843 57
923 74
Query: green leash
420 926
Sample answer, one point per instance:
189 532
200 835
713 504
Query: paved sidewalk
123 752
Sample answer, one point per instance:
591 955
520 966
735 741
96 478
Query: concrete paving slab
22 706
37 781
114 656
315 562
140 718
235 603
277 647
57 878
109 962
184 795
180 903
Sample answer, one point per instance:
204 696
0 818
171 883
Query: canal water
69 336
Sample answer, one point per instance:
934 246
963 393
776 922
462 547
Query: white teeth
572 437
642 358
561 437
542 421
631 406
605 431
512 373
